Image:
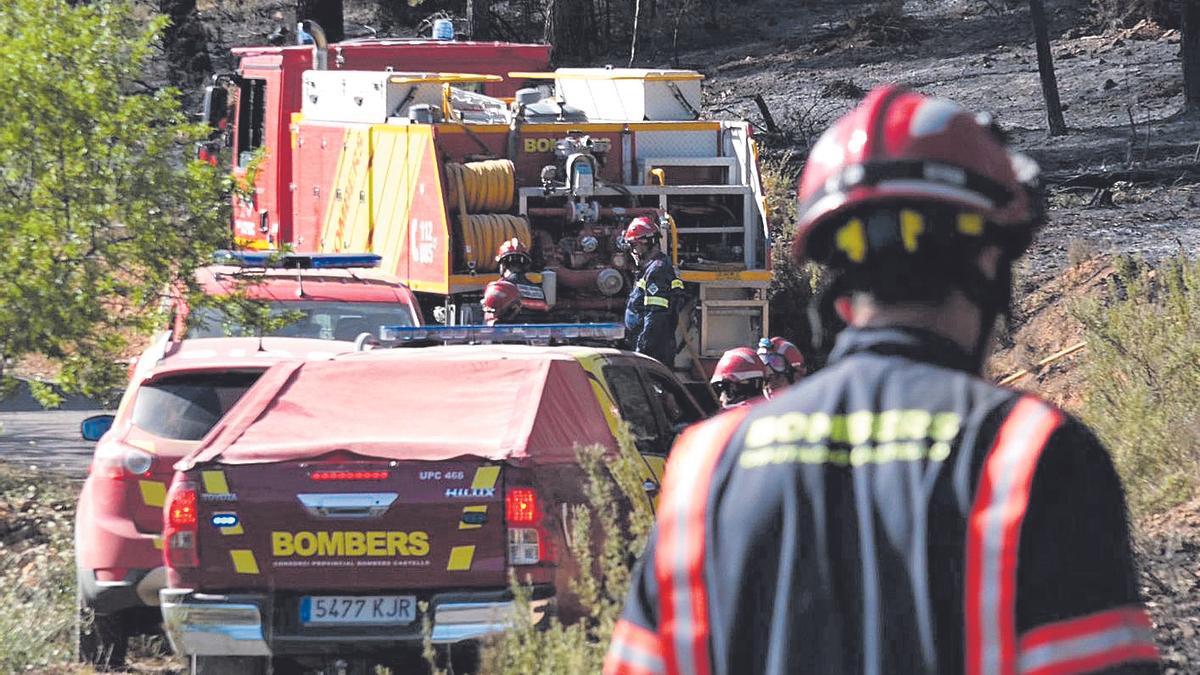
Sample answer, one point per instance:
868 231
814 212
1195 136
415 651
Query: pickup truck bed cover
525 403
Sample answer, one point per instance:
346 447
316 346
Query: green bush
618 508
1142 379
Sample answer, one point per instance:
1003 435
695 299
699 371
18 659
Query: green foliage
101 206
1142 382
606 536
792 286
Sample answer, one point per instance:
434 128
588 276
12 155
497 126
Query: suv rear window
320 320
185 407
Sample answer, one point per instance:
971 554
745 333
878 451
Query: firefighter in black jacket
652 310
895 513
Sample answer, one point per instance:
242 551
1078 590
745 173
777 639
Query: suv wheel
101 639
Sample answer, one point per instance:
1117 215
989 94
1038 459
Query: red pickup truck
338 496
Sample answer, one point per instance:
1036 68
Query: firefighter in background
501 302
784 362
514 261
739 377
895 512
652 310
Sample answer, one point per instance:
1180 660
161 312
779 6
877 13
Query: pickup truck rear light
527 539
349 475
524 546
521 506
179 533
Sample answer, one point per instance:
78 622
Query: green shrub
617 507
1142 379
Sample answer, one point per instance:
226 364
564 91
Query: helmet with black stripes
903 169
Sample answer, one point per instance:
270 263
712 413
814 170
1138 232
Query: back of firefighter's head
501 302
642 237
739 376
513 257
917 208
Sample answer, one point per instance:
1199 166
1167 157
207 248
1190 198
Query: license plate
358 609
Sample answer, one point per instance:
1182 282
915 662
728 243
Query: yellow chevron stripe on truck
347 225
460 558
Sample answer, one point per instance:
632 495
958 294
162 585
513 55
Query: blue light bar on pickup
313 261
533 333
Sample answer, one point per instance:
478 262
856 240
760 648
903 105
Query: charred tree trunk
327 13
633 41
1191 55
185 42
566 31
479 18
1041 31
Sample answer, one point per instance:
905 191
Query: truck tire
101 639
228 665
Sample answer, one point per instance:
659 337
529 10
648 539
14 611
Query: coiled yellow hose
485 186
484 232
482 186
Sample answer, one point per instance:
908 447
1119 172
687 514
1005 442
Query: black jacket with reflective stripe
894 513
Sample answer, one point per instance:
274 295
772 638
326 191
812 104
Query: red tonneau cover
496 402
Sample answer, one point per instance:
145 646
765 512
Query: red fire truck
431 153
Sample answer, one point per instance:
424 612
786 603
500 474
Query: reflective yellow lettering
281 544
376 543
914 425
885 452
945 426
790 427
861 454
858 427
306 544
818 427
910 452
886 424
356 543
396 544
814 454
330 543
761 432
418 543
837 429
531 145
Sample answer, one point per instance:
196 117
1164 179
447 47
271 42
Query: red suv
178 392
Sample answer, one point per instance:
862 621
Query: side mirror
92 428
216 105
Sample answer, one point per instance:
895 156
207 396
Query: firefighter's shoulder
709 437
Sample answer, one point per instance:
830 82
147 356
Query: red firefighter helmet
780 355
640 228
513 248
899 147
501 300
739 365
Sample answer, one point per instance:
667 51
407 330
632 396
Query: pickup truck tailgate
351 526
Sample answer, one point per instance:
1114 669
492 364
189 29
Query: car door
633 401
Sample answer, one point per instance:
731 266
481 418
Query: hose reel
484 186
